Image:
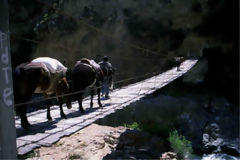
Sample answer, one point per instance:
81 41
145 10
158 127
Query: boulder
133 138
211 139
213 143
231 149
213 131
168 156
213 146
135 144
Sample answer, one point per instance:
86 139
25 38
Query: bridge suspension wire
82 91
131 58
83 22
68 48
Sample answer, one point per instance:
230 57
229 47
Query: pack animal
42 75
178 61
86 73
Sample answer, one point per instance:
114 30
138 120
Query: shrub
134 125
73 156
180 145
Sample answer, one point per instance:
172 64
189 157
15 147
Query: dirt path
93 142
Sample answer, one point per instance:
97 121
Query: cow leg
92 93
49 117
80 103
60 100
98 92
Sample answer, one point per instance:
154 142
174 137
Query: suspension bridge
46 133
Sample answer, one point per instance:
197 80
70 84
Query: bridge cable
82 91
94 29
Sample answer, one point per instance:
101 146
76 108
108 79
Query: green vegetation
151 127
134 125
74 156
58 144
180 145
35 153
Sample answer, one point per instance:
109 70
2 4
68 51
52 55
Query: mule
86 73
178 61
42 75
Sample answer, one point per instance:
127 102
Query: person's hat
105 58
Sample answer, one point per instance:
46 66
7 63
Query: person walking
107 83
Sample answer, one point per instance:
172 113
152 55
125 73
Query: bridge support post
7 122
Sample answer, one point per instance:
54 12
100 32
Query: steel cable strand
81 91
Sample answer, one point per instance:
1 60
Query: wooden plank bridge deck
45 133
